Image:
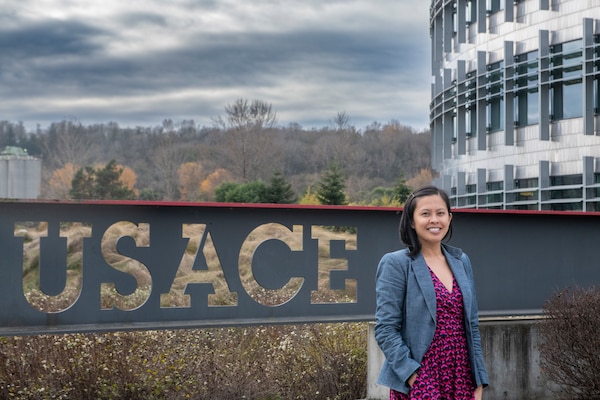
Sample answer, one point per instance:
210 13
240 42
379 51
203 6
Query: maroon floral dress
445 372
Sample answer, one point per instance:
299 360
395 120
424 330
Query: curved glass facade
515 104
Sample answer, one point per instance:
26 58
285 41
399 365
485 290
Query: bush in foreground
570 344
321 361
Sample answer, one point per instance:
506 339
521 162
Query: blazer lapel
458 269
423 276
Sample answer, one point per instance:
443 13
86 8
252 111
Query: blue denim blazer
406 314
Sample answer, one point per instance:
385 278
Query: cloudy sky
137 62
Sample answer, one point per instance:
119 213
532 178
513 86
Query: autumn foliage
60 182
190 176
188 162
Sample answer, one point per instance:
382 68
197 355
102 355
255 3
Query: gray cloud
48 38
137 67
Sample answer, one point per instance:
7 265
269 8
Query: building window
597 75
565 180
593 193
467 201
498 196
595 206
566 194
527 195
523 207
495 97
566 88
493 186
471 105
493 6
454 20
454 128
471 119
577 206
495 198
527 108
471 12
526 183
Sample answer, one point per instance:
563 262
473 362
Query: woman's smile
431 219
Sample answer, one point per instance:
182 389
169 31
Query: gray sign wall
520 259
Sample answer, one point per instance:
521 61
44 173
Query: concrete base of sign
510 347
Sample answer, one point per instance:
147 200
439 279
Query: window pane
573 99
533 107
493 6
496 114
562 180
526 97
526 183
566 77
471 13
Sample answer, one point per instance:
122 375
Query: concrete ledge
510 348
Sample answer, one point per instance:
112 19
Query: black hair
408 235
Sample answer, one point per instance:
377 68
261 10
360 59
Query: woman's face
431 219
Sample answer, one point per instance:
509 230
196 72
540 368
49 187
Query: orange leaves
60 182
190 178
214 179
195 185
128 178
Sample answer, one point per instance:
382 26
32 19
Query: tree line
244 146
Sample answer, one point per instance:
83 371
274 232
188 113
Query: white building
20 174
516 103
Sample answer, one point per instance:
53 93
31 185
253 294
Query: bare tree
249 136
167 159
243 141
242 115
342 120
67 142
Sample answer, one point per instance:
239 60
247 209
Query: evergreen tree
108 184
101 184
82 185
401 191
280 191
330 189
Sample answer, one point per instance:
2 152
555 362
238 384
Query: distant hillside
377 156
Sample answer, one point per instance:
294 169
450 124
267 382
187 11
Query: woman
426 318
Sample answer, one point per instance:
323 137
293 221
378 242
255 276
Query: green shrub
231 192
279 191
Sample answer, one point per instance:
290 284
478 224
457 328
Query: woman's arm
479 393
479 367
389 314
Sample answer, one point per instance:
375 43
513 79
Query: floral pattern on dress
445 372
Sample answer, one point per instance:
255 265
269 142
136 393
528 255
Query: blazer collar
459 271
423 277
